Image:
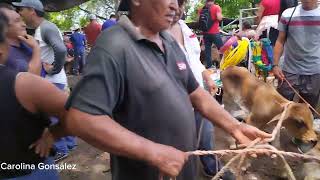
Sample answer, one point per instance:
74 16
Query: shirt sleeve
192 83
100 90
282 25
263 3
214 10
52 38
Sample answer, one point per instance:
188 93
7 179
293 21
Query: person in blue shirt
78 41
24 51
110 22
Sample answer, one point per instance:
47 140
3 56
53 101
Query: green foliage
230 8
65 20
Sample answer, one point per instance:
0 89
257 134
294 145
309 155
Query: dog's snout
314 142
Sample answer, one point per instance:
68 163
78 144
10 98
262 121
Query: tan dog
264 103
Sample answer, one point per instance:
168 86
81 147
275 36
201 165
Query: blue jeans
209 39
37 174
64 144
79 61
206 143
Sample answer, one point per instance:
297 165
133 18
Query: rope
258 146
297 93
255 150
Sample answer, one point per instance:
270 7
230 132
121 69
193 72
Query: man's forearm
278 50
35 62
213 111
106 134
206 76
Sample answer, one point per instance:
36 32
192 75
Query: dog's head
299 123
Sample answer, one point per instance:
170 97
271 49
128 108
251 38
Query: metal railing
247 14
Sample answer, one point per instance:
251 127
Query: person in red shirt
269 8
92 30
213 35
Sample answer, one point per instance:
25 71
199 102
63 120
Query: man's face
179 14
309 4
27 15
16 25
159 13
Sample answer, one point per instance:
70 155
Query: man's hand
278 73
44 144
167 159
30 41
211 86
47 67
245 133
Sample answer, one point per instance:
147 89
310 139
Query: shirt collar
127 25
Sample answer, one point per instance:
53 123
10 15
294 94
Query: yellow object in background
236 55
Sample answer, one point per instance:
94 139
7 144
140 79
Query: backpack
205 19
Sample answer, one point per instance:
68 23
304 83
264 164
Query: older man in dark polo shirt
136 98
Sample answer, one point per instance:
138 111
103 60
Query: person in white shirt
191 47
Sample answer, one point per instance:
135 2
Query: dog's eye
300 124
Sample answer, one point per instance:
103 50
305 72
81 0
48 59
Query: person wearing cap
48 35
137 95
79 43
24 52
53 54
92 30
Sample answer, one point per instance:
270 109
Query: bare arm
209 108
39 95
278 50
209 82
219 16
35 62
106 134
34 66
260 12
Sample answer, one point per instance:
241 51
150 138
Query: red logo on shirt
193 36
182 66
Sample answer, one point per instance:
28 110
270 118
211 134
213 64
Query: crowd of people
141 96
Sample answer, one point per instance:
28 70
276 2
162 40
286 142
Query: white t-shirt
192 51
47 56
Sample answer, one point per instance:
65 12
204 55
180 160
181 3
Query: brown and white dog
263 104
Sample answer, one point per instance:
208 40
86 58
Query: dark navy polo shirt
19 57
145 90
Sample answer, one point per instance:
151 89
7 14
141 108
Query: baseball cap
75 27
92 16
35 4
124 5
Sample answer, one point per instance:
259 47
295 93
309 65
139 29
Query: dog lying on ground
264 104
